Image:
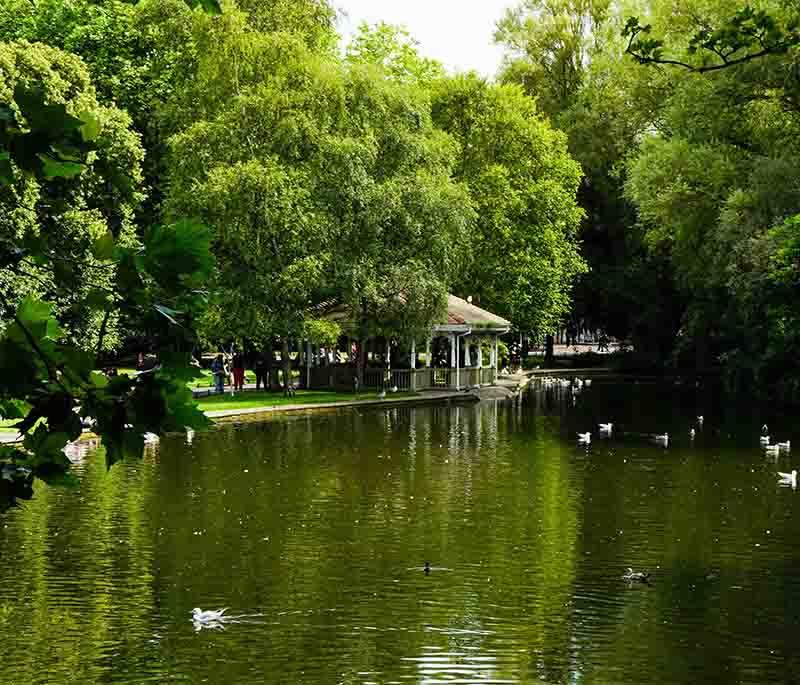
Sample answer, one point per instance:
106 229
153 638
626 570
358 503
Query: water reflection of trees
323 521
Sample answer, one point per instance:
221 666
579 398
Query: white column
413 379
452 351
496 359
480 354
428 352
467 352
458 379
388 355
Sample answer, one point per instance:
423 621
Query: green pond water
316 527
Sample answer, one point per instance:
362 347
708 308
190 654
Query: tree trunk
361 363
285 363
549 358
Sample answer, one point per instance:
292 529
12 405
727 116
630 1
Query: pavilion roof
460 315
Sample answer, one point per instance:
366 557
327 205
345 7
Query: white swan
662 439
209 615
772 449
788 478
584 437
700 419
764 439
605 427
785 446
692 433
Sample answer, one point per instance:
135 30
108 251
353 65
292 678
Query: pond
314 529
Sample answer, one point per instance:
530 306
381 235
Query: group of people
230 369
232 372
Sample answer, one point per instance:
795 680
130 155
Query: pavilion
460 353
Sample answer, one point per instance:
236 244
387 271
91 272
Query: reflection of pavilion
460 352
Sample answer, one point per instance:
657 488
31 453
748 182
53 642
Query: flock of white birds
605 430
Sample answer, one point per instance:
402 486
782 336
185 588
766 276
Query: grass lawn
251 400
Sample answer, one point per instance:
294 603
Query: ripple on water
323 524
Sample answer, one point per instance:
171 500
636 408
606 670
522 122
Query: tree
394 51
320 182
550 44
711 181
523 185
69 179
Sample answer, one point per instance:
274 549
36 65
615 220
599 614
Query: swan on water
584 437
605 427
209 615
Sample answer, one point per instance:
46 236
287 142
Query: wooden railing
343 378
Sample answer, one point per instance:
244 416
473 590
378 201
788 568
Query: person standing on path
219 371
238 371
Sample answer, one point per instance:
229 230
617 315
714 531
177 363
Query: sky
456 32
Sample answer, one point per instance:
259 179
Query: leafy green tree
69 182
523 185
550 44
395 51
710 181
320 182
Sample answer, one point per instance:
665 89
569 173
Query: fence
343 378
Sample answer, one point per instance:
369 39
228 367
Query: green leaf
99 380
56 168
91 126
167 312
103 247
14 409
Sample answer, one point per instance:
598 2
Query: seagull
788 478
636 576
209 616
662 439
785 446
605 427
585 438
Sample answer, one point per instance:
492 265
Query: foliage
748 34
550 44
713 183
66 226
393 49
321 182
523 183
71 188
